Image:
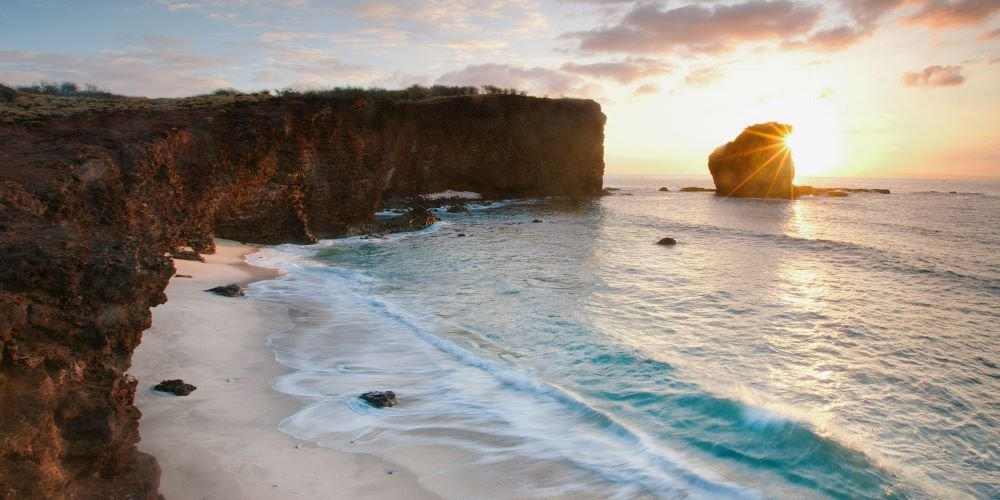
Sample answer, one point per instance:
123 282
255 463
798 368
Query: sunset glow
873 88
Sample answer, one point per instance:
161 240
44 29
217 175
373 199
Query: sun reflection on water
799 224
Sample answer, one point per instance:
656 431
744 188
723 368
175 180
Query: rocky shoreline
93 197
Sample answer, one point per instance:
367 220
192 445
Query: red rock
91 200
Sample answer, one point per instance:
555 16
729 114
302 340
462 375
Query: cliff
94 192
757 164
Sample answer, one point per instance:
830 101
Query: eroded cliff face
91 198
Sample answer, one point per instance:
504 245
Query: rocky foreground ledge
94 193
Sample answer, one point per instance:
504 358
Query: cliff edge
94 192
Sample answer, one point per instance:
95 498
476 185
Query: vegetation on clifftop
38 102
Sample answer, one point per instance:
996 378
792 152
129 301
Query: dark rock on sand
667 242
379 399
231 290
756 164
187 254
664 189
176 386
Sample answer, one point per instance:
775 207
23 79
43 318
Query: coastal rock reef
757 164
94 193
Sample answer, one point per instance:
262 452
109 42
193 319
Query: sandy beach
222 441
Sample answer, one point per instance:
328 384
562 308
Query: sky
874 88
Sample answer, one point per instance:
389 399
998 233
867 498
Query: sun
814 150
815 141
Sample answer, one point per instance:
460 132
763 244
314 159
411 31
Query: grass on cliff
38 102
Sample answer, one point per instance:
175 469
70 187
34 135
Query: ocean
816 348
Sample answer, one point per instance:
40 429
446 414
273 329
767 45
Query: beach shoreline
222 441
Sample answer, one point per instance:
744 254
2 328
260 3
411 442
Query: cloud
646 89
935 76
699 28
702 77
143 71
304 68
476 44
829 40
626 71
867 13
455 16
174 7
941 13
539 81
287 36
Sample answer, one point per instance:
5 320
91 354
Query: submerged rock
667 242
379 399
835 194
458 209
757 164
414 220
696 190
231 290
177 387
536 221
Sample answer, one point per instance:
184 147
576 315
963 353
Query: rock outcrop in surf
757 164
94 193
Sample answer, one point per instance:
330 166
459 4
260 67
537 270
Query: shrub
65 89
7 94
411 93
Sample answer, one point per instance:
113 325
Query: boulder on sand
757 164
177 387
231 290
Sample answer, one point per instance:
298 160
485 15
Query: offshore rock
691 189
665 189
667 241
176 387
379 399
757 164
95 192
834 191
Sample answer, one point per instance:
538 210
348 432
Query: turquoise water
824 347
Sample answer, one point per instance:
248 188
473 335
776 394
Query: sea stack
757 164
